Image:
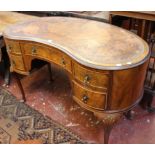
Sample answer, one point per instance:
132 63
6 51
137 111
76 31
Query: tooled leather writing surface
94 44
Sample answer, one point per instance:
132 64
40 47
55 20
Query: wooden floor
54 99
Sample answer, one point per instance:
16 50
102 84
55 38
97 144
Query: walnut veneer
106 64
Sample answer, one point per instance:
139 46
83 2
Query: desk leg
20 87
109 120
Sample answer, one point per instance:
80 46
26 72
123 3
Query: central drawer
88 97
47 53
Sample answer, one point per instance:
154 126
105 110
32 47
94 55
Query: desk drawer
17 62
13 47
88 97
47 53
91 77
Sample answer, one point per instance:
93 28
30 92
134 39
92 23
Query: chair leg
149 105
50 72
20 87
146 102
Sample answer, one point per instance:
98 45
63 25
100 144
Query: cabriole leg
109 120
107 131
20 87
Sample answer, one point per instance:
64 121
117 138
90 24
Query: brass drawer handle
34 50
85 98
87 79
63 62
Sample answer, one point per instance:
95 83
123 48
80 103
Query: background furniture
102 16
139 21
107 83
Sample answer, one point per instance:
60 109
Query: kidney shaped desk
106 64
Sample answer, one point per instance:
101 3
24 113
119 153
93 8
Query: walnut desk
106 64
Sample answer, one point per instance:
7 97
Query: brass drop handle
87 79
85 98
34 50
63 62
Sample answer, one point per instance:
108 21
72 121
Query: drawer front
13 47
17 62
90 98
91 77
47 53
